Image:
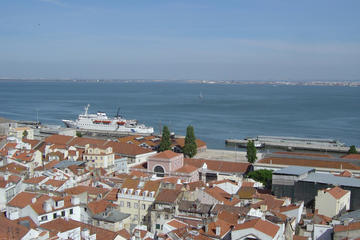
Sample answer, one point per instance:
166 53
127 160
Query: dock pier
293 143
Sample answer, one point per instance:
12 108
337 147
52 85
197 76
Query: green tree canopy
165 143
352 150
25 134
190 147
263 175
251 151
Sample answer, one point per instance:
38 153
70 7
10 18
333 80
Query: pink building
165 163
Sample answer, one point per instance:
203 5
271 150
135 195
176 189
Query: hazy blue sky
220 40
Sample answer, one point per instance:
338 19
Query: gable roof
22 199
219 166
166 155
62 225
99 206
337 192
58 139
263 226
167 196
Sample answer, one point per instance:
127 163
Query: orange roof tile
167 196
24 155
309 163
58 139
55 183
62 225
90 190
47 166
166 155
11 229
130 183
176 224
222 196
127 149
355 156
350 227
34 180
219 166
187 169
13 168
99 206
22 199
337 192
263 226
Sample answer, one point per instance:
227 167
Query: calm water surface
225 111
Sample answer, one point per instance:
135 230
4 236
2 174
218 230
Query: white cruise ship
101 122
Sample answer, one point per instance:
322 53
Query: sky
177 40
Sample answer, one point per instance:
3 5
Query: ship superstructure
101 122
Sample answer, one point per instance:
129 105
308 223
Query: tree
263 175
165 143
25 134
79 134
190 147
352 150
251 151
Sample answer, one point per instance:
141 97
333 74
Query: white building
331 201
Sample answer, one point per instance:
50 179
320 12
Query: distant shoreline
222 82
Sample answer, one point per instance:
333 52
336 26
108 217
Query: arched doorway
159 171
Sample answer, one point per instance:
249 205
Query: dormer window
152 194
124 190
137 192
145 193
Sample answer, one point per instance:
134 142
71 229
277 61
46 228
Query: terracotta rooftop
58 139
167 196
47 166
246 193
305 154
337 192
224 228
131 183
222 196
23 155
90 190
263 226
34 180
355 156
62 225
127 149
13 168
11 229
22 199
176 224
350 227
219 166
187 169
34 143
166 155
309 163
99 206
54 183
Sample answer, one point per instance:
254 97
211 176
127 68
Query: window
43 218
63 213
128 204
143 206
158 216
54 216
121 203
166 216
136 205
71 210
157 226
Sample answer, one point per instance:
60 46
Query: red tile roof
22 199
13 168
337 192
86 189
166 155
47 166
350 227
355 156
187 169
58 139
309 163
55 183
219 166
62 225
99 206
263 226
11 229
167 196
222 196
24 155
34 180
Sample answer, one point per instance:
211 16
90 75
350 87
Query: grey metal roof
294 170
328 178
113 216
355 216
65 164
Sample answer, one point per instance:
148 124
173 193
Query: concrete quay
290 143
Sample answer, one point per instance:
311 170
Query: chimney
33 200
6 177
206 228
218 230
